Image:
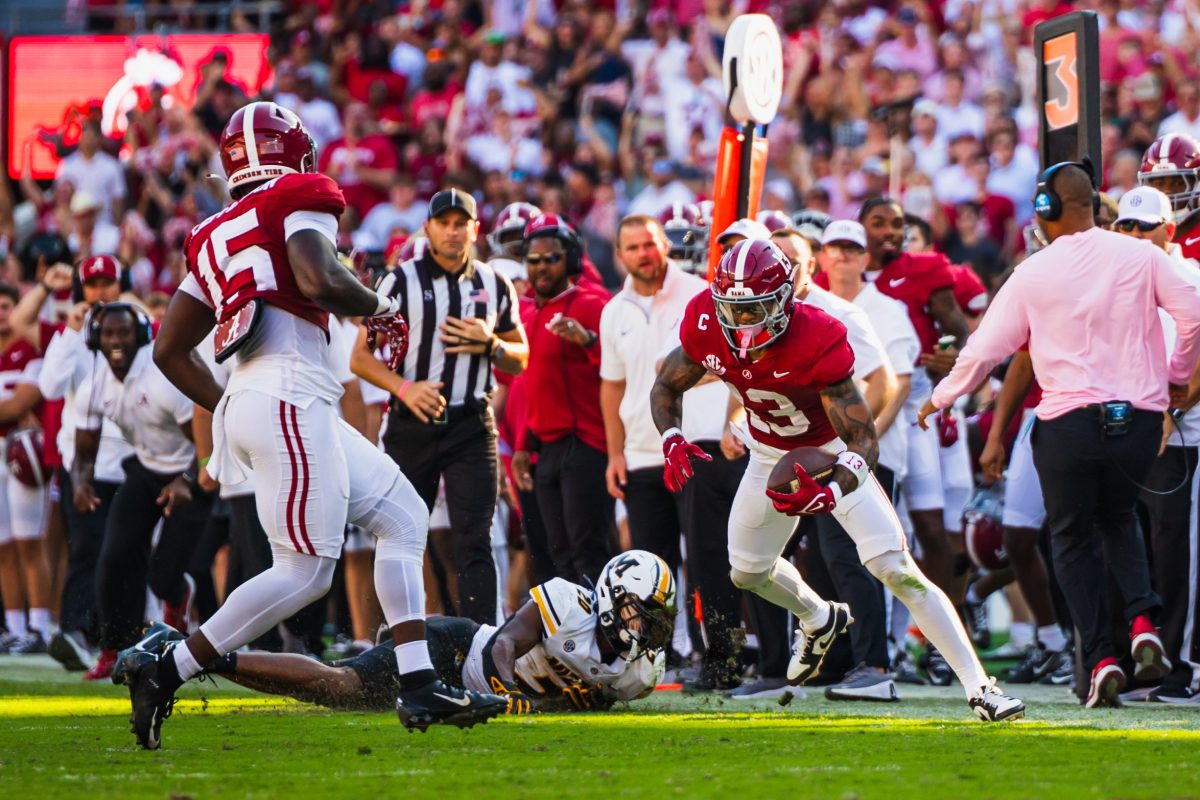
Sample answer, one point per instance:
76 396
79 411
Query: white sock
1020 634
185 662
1052 638
786 588
15 622
39 620
413 656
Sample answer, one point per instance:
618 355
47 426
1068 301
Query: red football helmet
684 225
1172 165
983 528
752 292
25 457
263 141
508 231
559 228
774 220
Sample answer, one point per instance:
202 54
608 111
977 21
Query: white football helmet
635 601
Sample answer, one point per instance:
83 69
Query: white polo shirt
705 406
65 367
633 329
889 318
869 353
147 408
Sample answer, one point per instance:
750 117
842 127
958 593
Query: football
816 462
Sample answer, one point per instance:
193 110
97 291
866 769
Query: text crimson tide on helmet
752 292
1172 165
263 141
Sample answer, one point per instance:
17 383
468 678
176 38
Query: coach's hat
1144 204
100 267
747 228
447 199
845 230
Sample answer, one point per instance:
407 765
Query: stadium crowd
585 136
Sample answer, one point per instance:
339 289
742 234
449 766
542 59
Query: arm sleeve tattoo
850 417
677 374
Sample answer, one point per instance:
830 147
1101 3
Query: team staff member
1088 306
566 424
155 417
463 321
1146 213
633 327
67 364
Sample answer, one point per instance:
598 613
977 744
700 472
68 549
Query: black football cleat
437 703
151 693
154 640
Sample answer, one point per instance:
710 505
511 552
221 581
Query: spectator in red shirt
363 163
564 416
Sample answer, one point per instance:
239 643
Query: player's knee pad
399 522
750 581
897 571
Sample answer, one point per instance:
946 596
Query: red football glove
947 425
679 453
395 330
811 498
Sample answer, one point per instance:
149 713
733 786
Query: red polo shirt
563 379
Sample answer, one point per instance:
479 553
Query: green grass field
61 738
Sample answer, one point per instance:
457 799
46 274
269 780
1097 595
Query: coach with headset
565 424
160 477
1087 304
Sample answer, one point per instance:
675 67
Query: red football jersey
1187 236
240 252
781 390
13 361
911 279
969 291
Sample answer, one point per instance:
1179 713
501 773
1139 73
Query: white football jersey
569 653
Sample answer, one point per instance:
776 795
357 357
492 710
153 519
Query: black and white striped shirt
428 294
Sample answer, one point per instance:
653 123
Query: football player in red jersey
265 271
1172 165
791 365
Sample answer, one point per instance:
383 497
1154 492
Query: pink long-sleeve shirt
1088 306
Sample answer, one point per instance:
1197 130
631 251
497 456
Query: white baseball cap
745 227
1145 204
845 230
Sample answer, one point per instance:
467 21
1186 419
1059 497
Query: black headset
1046 202
572 246
143 326
124 282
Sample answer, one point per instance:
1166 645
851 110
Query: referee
463 319
1088 304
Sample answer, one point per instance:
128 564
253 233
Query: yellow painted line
70 706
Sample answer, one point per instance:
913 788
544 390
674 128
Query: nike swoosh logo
781 374
464 701
894 282
1191 241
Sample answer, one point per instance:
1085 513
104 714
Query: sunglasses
548 259
1127 225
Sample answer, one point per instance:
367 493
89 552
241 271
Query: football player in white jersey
265 271
566 647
